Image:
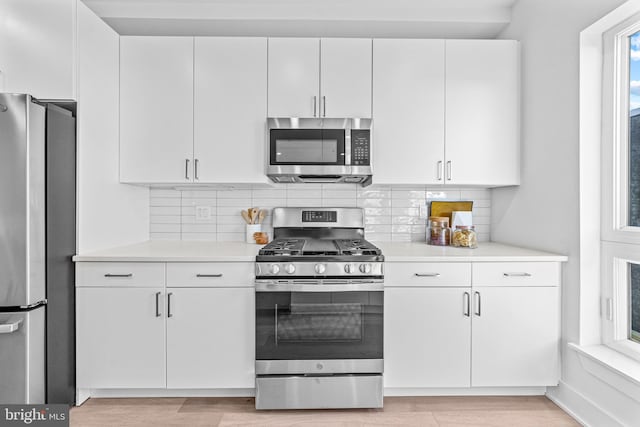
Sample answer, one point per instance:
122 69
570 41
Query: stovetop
310 247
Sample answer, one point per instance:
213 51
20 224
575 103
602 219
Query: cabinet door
230 109
210 338
426 337
482 110
515 336
156 109
408 111
38 48
120 338
294 77
345 77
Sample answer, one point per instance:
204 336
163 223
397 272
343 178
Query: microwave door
307 147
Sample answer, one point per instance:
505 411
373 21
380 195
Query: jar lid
465 227
442 219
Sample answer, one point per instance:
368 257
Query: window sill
612 367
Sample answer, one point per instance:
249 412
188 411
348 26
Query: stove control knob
290 268
349 268
321 268
275 269
365 268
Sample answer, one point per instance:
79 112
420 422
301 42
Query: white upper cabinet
294 77
38 48
345 78
230 100
408 111
156 109
482 112
446 112
319 78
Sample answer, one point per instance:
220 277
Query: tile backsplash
392 213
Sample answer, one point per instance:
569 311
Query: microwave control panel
360 147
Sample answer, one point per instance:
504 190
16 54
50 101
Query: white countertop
202 251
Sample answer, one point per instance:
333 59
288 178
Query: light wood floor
534 411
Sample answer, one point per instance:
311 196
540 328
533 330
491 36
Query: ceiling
307 18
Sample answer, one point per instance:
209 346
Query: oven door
328 326
307 147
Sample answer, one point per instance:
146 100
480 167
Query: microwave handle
315 105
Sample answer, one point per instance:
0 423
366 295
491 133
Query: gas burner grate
357 247
283 247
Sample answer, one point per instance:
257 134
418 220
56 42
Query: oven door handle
275 286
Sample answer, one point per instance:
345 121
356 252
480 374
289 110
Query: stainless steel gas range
319 312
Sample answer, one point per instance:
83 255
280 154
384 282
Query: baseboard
133 393
470 391
581 408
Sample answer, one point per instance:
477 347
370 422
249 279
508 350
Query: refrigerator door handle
20 308
8 328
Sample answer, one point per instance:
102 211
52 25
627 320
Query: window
620 229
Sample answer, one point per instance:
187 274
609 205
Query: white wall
544 211
109 213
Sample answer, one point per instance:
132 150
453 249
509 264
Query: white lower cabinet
426 338
121 339
135 336
515 336
210 338
473 335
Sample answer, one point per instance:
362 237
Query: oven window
319 325
306 151
307 146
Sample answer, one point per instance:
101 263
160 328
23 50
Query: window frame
620 243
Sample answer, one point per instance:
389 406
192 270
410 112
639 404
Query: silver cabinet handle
315 105
158 314
427 274
9 328
324 106
439 170
195 169
466 302
118 275
449 170
169 314
186 169
478 312
516 274
276 326
209 275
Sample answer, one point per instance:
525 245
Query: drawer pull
118 275
427 274
466 301
516 274
158 314
169 295
209 275
478 311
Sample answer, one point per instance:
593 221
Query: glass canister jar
438 232
464 236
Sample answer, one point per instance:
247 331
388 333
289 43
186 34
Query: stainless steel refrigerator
37 241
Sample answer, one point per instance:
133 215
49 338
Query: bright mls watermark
34 415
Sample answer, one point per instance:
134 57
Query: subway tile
482 228
406 211
403 219
304 203
188 219
407 203
199 228
304 194
339 203
443 195
245 203
408 194
164 219
377 228
377 212
476 194
230 210
418 237
164 201
234 194
232 228
164 192
374 203
188 210
164 228
378 237
304 187
342 187
339 194
372 219
269 203
271 193
374 194
199 202
199 194
164 210
230 219
401 237
484 237
408 228
486 203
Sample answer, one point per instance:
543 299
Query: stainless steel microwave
319 150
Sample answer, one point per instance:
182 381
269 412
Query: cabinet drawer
204 274
119 274
516 274
427 274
